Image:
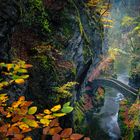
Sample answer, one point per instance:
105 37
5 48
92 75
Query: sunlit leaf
5 83
22 71
66 104
24 76
59 114
56 108
2 64
9 66
21 98
23 126
8 115
67 109
16 67
32 110
14 77
47 111
16 104
49 117
19 81
3 97
31 123
45 121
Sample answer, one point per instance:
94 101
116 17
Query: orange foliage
20 118
131 114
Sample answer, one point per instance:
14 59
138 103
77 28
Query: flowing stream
110 109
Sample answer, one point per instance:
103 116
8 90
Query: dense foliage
20 117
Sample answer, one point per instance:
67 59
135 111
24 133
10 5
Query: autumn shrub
11 73
129 114
63 91
19 118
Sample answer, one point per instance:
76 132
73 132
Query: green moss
35 15
46 62
79 119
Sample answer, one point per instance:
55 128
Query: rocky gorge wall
68 53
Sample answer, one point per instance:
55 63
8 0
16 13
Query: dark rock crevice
9 15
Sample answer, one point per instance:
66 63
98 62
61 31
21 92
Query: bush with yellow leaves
20 117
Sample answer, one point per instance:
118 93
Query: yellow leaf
47 111
9 66
32 110
5 83
46 122
24 76
59 114
16 67
3 97
15 104
8 115
23 126
21 98
49 117
31 123
27 138
22 71
19 81
56 108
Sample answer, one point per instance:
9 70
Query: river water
110 109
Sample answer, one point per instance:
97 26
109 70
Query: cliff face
67 53
84 49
